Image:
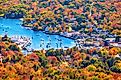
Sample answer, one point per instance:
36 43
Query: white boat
21 19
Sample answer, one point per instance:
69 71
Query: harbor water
39 40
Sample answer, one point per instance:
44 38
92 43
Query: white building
110 39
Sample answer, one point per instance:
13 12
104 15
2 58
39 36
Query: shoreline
46 32
62 34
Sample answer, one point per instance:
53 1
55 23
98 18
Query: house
114 44
110 39
66 34
96 43
119 44
118 56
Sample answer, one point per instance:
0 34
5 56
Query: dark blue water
12 27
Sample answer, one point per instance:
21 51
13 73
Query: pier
22 41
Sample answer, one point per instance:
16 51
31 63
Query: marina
34 40
38 39
60 39
21 41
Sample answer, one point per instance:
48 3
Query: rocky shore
12 15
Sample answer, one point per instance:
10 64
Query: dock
21 41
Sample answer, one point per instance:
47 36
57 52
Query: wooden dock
22 41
